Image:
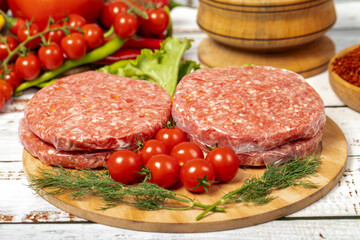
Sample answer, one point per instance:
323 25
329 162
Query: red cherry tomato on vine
6 89
11 77
27 67
164 170
74 46
11 43
170 137
225 162
51 56
75 21
158 20
93 35
151 148
186 151
55 36
197 174
25 31
109 12
124 166
125 25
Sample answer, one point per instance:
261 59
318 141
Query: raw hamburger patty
247 108
95 110
49 155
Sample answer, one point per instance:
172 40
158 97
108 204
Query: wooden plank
280 230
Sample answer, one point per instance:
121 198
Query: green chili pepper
93 56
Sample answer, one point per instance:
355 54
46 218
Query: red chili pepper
121 54
151 43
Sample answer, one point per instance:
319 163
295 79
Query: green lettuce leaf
163 67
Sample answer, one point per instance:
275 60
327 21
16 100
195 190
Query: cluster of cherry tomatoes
169 159
70 38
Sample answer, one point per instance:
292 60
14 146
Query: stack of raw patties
267 115
79 120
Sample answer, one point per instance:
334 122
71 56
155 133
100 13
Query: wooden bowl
266 25
347 92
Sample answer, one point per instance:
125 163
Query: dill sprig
148 196
77 183
258 189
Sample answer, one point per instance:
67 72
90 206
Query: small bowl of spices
344 76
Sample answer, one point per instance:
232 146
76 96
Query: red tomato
170 137
93 35
186 151
197 175
55 36
11 43
109 12
124 166
151 148
40 10
225 162
158 20
164 170
51 56
18 23
24 32
74 46
6 89
125 25
12 78
75 21
28 67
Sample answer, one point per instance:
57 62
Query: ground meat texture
247 108
95 110
49 155
283 153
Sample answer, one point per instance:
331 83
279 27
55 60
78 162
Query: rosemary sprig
77 183
257 190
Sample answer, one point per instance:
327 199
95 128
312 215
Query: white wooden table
25 215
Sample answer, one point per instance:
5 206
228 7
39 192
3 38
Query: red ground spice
348 67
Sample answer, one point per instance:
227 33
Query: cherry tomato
11 43
225 162
51 56
151 148
197 174
74 46
186 151
40 10
125 25
109 12
28 67
25 31
158 20
55 36
6 89
93 35
164 170
124 166
170 137
75 21
11 77
18 23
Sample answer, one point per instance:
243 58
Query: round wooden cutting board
306 60
287 201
